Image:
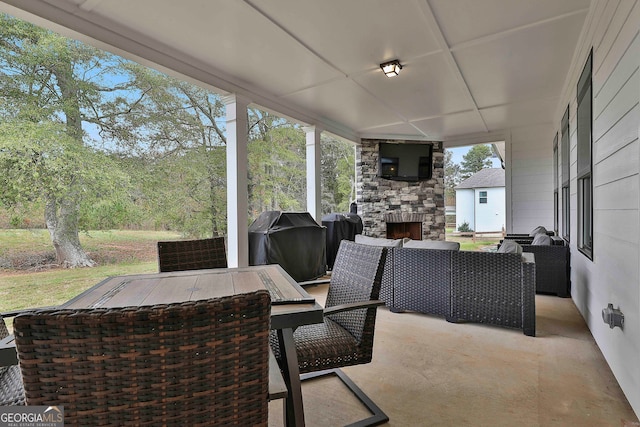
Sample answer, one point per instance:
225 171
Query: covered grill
340 227
292 239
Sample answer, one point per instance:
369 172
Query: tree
49 87
45 159
156 143
337 175
276 164
178 130
477 158
452 174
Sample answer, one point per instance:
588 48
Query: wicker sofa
484 287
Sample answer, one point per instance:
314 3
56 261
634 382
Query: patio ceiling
469 66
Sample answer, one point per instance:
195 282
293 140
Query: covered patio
472 72
433 373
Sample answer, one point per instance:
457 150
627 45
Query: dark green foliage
464 227
477 158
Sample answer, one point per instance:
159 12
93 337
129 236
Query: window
565 157
483 197
584 149
555 186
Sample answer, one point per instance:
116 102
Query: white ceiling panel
466 20
470 66
395 131
354 35
530 64
441 128
359 109
425 88
232 48
528 113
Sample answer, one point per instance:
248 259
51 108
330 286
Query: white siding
481 217
613 274
490 216
531 179
464 208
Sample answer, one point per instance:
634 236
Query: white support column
314 189
237 181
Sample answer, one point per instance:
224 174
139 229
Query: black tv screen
405 162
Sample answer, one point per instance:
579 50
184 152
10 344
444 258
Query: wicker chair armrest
14 313
8 355
352 306
314 282
528 257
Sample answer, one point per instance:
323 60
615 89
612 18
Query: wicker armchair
11 390
194 363
553 268
180 255
346 336
494 288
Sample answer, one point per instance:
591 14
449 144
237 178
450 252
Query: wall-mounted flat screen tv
405 162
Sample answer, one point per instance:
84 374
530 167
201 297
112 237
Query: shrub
464 227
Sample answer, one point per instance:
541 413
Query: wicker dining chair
11 390
345 337
178 255
193 364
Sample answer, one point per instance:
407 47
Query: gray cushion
541 240
377 241
510 247
432 244
538 230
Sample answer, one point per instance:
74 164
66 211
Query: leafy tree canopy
477 158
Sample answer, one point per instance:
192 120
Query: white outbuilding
480 201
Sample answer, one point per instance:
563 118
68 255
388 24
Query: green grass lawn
117 252
467 244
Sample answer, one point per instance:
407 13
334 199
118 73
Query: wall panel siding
617 39
621 74
624 101
531 191
621 134
621 256
613 276
617 195
622 164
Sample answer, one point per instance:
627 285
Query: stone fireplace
397 209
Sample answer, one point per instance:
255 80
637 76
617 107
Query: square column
314 188
237 181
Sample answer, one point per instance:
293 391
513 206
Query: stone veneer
381 200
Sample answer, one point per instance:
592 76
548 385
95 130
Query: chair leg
378 417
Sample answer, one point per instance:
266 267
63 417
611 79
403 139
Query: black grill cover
292 239
340 227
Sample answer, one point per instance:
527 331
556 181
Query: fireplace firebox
400 230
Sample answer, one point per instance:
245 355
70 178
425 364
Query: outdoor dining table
291 306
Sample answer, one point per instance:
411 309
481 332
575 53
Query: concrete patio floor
428 372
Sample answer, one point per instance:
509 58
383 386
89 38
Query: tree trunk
62 222
62 215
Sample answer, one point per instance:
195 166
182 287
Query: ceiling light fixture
391 68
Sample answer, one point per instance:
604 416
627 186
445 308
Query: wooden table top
292 306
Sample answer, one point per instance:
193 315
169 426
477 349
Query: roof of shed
492 177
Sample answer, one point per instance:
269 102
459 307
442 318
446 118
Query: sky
458 152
